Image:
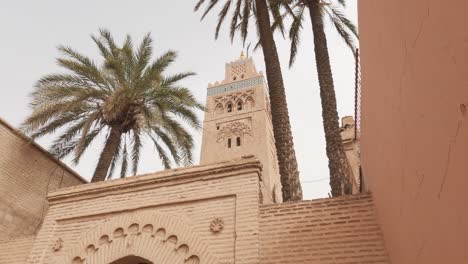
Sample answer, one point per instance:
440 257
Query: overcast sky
31 30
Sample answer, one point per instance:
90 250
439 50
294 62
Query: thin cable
315 180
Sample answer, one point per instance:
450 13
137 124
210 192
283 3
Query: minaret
238 123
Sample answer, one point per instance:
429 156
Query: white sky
31 30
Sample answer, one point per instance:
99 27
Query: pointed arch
229 107
239 105
219 109
154 237
249 103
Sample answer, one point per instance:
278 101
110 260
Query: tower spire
242 56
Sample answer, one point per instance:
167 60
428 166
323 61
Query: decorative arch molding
236 128
241 96
160 238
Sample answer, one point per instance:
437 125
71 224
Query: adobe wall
163 217
331 230
16 250
414 136
27 174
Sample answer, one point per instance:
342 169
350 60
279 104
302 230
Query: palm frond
245 20
198 5
89 69
143 54
127 92
278 18
162 154
153 72
115 160
221 16
294 34
80 150
208 9
172 79
136 149
343 25
124 166
50 128
81 146
235 17
168 141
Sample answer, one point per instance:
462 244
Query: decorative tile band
235 86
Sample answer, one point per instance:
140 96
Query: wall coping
41 149
247 164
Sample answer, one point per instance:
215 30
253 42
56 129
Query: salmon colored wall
414 57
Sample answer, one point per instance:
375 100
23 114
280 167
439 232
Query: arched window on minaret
229 107
249 103
219 109
239 105
229 143
238 141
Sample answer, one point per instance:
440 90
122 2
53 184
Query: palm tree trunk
292 190
109 151
335 153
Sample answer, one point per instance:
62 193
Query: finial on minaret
242 56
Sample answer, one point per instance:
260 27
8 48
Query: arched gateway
145 237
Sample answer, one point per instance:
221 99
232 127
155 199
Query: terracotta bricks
27 174
331 230
15 251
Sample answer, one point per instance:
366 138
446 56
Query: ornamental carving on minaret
233 129
234 97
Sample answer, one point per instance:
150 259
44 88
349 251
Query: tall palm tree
126 97
318 11
243 9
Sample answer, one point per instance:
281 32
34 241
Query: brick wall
27 174
15 251
332 230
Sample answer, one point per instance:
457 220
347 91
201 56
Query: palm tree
318 10
127 97
243 10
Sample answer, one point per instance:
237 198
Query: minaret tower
238 123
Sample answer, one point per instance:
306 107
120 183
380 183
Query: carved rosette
58 244
233 129
217 225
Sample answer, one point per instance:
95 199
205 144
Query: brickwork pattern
27 174
15 251
332 230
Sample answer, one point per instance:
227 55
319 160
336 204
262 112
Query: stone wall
27 174
164 217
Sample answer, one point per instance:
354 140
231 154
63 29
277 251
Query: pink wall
414 149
